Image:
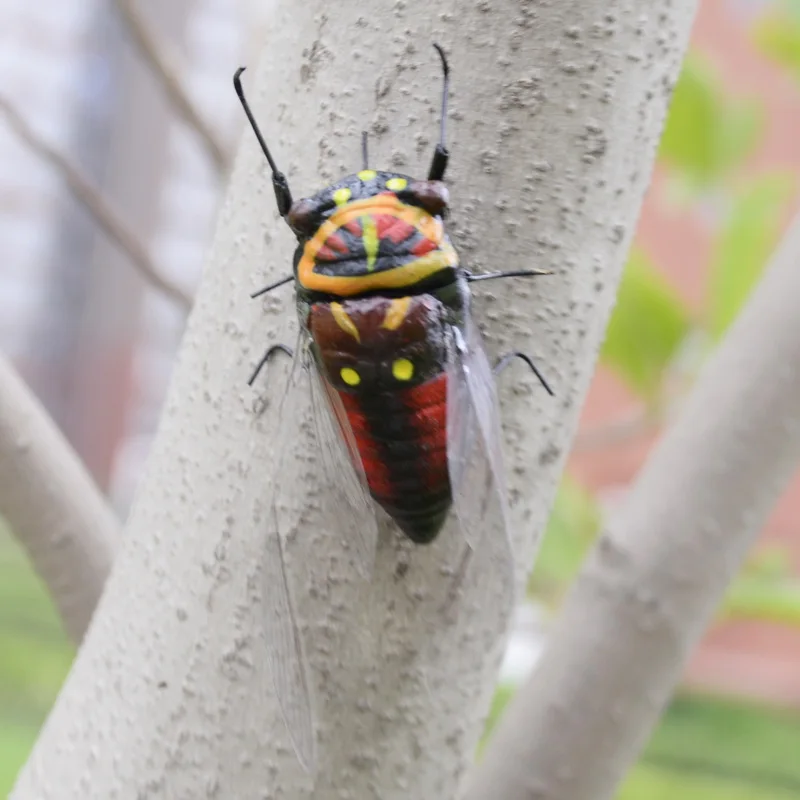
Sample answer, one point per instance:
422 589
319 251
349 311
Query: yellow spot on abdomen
398 311
396 184
403 369
341 196
367 174
350 376
371 241
344 321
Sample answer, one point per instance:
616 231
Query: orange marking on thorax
394 219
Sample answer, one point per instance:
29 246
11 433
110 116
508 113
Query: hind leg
267 357
503 362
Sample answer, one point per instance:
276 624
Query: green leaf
706 133
766 589
766 600
573 525
688 138
647 327
738 134
744 245
777 34
502 696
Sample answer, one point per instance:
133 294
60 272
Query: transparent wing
348 513
287 661
475 464
474 444
285 652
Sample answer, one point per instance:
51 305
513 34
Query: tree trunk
656 575
555 113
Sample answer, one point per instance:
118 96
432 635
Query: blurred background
102 177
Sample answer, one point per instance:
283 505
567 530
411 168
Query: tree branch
163 66
657 574
52 505
109 221
176 660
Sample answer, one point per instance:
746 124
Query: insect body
402 391
385 358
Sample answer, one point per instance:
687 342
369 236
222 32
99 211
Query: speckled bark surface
555 112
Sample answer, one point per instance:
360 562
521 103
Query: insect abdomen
402 439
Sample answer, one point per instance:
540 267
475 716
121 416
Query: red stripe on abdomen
402 440
427 406
375 468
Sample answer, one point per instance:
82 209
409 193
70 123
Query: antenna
283 196
364 149
440 155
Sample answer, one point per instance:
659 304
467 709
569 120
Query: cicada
402 390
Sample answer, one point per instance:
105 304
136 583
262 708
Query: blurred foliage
648 325
767 589
707 133
744 245
35 656
709 749
574 522
777 34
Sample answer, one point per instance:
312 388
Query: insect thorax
374 232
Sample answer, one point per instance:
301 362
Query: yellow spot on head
396 184
350 376
367 175
344 321
341 196
403 369
371 241
398 311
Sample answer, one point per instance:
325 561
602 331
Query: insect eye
302 217
430 195
350 376
403 369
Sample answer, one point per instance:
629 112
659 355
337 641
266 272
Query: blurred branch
655 577
166 71
52 505
111 223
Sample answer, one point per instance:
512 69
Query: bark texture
555 112
657 574
52 505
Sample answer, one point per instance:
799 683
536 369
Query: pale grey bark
52 505
657 574
556 110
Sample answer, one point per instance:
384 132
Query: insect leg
272 286
503 362
266 358
519 273
441 154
